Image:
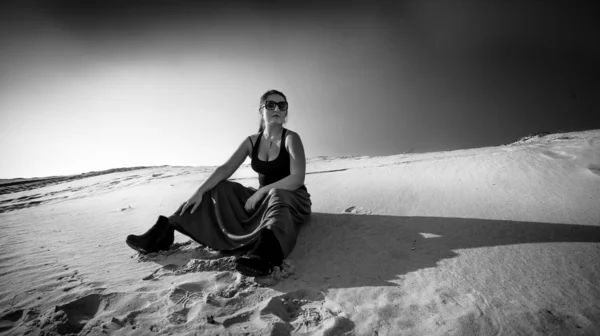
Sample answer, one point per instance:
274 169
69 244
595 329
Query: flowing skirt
222 223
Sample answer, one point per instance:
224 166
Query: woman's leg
285 210
221 210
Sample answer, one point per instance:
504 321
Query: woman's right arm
223 172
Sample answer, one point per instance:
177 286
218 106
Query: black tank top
271 171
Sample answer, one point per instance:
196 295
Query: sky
94 85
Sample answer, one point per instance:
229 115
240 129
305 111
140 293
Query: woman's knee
226 185
277 192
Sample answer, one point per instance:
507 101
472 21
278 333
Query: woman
228 216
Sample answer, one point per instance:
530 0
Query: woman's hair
263 98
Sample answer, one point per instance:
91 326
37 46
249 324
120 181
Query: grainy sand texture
490 241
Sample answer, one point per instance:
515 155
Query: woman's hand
193 202
254 200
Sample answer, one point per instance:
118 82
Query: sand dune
489 241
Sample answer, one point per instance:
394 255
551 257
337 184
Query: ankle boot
265 255
159 237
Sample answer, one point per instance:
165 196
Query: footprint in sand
75 316
8 320
357 210
301 311
78 313
558 155
238 285
20 317
228 290
185 299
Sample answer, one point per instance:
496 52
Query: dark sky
363 78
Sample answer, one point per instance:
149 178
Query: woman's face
275 116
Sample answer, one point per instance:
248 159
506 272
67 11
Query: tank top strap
255 147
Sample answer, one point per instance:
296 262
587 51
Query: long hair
263 98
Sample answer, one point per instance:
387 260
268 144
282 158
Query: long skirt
222 223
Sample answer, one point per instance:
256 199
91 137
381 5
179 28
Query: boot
159 237
265 255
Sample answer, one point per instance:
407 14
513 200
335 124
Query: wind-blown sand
498 240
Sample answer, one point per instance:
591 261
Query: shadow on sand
390 246
348 250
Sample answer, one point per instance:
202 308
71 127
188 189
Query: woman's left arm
297 166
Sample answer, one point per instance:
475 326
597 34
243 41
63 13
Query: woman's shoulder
253 138
291 138
289 132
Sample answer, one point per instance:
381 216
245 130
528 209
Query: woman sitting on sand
228 216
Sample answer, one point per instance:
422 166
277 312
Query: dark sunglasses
270 105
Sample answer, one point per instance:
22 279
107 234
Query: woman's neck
273 130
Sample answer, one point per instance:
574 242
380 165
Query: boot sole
137 248
251 272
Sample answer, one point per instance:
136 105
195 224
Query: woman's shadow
345 250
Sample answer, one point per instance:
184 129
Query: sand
489 241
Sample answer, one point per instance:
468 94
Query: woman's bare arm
227 169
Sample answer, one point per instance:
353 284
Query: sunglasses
270 105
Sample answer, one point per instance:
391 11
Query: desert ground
501 240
